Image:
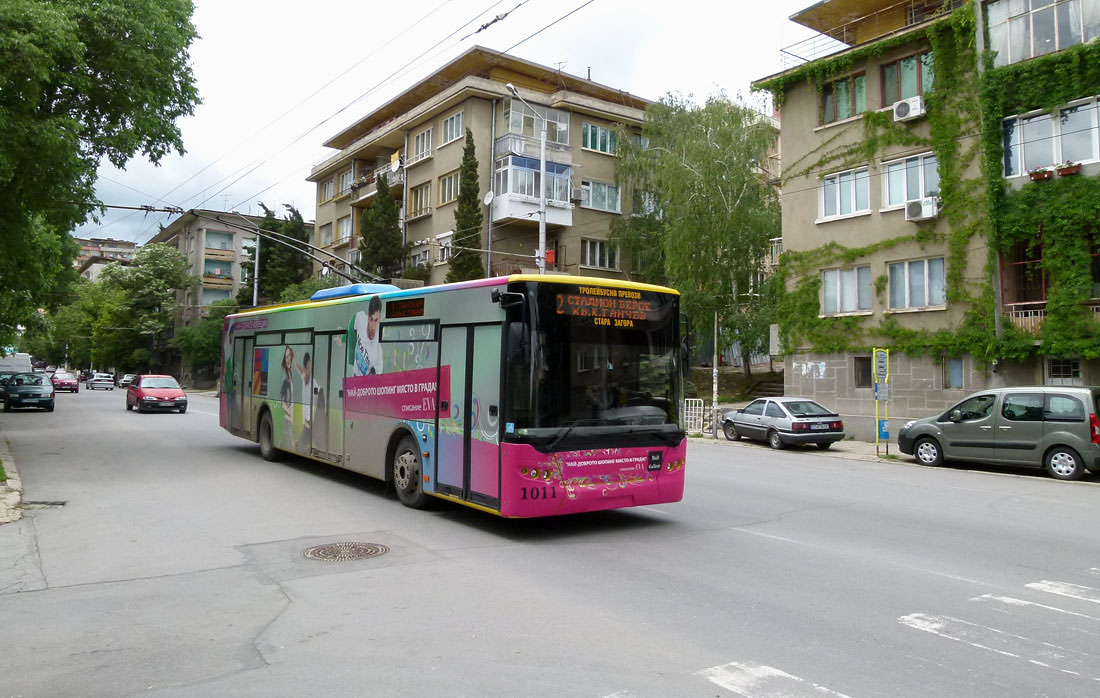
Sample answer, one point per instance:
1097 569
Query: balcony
367 185
528 146
1029 316
340 242
217 280
221 253
519 208
775 249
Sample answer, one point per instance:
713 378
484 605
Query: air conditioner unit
908 109
922 209
576 194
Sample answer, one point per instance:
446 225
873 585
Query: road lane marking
1020 602
1094 570
760 681
622 694
1073 591
1051 656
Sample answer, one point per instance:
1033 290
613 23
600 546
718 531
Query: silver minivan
1055 427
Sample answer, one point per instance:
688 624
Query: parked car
126 380
28 390
63 380
784 421
101 380
1056 427
4 376
156 393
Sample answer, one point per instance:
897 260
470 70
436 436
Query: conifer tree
380 246
466 260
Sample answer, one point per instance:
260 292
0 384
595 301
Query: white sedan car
101 380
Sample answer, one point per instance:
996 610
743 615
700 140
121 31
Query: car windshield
29 379
160 382
102 376
806 408
62 376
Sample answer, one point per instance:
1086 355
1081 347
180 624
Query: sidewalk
853 450
11 491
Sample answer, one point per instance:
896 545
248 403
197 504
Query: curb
11 491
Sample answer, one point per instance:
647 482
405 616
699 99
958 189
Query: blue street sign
883 430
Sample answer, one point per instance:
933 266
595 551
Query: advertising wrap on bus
522 395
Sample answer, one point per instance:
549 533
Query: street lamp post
540 260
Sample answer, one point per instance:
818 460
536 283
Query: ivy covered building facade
940 200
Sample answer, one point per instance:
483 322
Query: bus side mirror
506 299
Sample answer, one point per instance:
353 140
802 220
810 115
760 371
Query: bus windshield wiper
557 439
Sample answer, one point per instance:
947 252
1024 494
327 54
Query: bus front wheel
407 474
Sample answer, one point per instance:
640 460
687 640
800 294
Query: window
452 128
328 190
448 188
861 372
952 373
645 203
520 175
1040 140
846 290
420 258
600 254
420 200
345 182
444 247
906 78
911 179
1063 372
755 408
326 234
1023 407
843 99
597 138
1063 408
600 196
422 146
522 120
974 408
917 284
846 193
1022 29
343 229
774 410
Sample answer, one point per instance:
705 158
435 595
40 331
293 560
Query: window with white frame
448 188
420 258
598 138
343 229
599 253
451 128
420 200
845 193
1040 140
328 190
910 179
1022 29
443 243
422 146
517 174
345 182
846 290
600 196
1063 371
918 283
325 234
522 119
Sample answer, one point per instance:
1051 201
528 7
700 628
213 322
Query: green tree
466 260
711 211
282 265
302 291
382 251
80 83
200 345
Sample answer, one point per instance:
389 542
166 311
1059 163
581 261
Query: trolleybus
525 395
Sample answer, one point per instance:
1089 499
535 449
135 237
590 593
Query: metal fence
693 413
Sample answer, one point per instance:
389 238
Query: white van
15 363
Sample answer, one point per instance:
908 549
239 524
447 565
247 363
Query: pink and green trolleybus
523 395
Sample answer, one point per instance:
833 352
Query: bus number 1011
539 492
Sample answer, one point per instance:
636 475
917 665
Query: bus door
468 446
240 396
326 393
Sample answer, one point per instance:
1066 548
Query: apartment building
215 250
416 140
923 207
97 253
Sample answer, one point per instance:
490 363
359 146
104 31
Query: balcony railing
775 249
529 147
367 185
1029 316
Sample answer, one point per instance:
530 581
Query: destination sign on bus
610 307
405 307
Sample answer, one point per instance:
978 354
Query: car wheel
775 441
824 446
731 431
406 474
7 406
927 451
267 439
49 408
1064 464
129 407
183 409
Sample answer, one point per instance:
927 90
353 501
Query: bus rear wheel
267 439
407 474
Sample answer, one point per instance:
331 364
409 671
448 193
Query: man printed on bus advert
368 347
318 410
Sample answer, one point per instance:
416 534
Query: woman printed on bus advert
368 347
286 391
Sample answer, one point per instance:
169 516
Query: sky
277 78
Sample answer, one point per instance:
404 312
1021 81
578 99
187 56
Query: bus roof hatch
352 290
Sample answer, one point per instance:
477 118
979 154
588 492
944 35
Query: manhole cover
343 552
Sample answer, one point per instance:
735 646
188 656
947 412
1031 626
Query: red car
65 381
148 393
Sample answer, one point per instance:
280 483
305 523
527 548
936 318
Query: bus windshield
585 363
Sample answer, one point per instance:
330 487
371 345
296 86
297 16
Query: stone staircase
768 385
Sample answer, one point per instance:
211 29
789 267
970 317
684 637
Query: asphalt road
160 556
